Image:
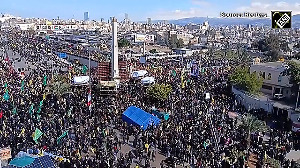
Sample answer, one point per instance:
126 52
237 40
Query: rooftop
272 65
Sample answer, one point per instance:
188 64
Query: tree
123 43
173 41
59 85
294 71
59 88
270 45
251 124
180 43
159 92
246 81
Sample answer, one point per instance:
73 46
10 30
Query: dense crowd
199 133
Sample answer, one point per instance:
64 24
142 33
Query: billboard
78 80
139 38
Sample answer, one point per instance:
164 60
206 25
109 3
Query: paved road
47 62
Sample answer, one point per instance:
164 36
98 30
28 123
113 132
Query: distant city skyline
140 10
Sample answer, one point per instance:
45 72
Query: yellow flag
30 82
70 75
266 156
22 132
44 96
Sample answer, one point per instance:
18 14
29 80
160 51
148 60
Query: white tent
207 96
148 80
137 74
78 80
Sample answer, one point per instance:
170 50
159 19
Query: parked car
278 96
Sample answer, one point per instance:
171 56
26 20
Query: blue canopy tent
137 116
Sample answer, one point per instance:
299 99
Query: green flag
62 136
39 110
205 144
41 103
22 85
6 96
40 107
45 80
5 85
84 69
37 134
14 111
174 73
70 111
38 117
31 110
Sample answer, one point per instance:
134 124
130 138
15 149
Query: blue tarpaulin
21 162
62 55
137 116
29 162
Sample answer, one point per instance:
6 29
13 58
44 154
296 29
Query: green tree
59 88
173 41
180 43
123 43
159 92
251 124
270 45
59 85
246 81
294 71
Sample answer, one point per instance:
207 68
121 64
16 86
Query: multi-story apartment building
276 79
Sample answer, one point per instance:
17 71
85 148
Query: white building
26 26
183 51
276 80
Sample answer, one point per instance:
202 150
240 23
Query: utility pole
297 97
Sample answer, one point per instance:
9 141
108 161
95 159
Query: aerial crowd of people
199 132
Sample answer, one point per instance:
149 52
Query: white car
278 96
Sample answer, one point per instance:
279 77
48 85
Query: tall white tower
115 55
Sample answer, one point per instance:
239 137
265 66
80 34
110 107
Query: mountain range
230 21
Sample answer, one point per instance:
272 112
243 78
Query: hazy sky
140 10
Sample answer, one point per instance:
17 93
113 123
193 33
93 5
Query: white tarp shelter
137 74
207 96
148 80
78 80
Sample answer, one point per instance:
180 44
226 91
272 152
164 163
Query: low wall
252 102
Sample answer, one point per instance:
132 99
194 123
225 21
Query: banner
81 79
194 70
5 153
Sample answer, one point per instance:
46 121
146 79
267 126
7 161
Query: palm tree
251 124
59 86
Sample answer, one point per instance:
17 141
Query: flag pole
90 87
